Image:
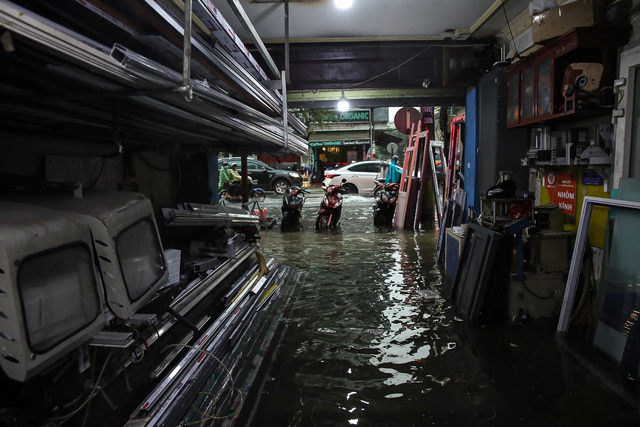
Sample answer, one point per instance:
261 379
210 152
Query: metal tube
186 53
285 113
286 38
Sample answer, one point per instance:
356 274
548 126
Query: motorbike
233 193
331 207
292 203
385 205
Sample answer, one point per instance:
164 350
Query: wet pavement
364 345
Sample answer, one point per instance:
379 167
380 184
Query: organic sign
352 116
562 191
324 143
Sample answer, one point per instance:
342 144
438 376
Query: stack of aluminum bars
208 384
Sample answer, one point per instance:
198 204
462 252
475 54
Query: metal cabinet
499 149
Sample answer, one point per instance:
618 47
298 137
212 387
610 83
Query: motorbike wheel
379 218
258 195
322 222
286 224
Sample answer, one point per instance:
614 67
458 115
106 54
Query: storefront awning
383 138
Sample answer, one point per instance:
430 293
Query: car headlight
294 174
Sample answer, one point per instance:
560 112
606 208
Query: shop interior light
343 103
344 4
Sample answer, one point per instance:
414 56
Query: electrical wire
95 180
392 69
169 169
96 384
619 94
233 388
137 358
513 40
151 165
534 294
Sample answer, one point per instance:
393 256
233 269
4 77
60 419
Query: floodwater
363 344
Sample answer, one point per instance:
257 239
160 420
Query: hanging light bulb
344 4
343 103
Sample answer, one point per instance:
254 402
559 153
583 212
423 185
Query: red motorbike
385 206
331 207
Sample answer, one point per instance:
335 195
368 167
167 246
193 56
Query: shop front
333 154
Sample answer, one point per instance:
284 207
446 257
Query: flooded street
365 345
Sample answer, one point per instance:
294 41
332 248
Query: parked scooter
385 206
292 203
331 207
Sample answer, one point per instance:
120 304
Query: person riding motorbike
223 176
394 172
234 187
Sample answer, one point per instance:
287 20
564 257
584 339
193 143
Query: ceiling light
343 103
344 4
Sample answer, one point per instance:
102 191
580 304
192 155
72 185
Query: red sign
404 118
562 191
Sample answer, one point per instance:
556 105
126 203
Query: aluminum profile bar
161 75
186 53
59 39
221 60
248 25
169 389
90 55
285 114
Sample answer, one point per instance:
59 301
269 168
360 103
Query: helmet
233 165
225 163
395 157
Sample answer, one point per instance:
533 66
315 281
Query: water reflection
365 346
360 340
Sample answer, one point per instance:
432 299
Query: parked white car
360 176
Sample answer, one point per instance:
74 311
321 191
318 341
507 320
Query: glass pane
59 295
617 325
544 87
527 93
634 152
514 98
140 256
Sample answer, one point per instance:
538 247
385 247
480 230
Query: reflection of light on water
442 381
630 322
360 332
393 395
400 354
351 393
449 346
398 378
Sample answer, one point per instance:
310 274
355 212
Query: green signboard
352 116
338 143
325 143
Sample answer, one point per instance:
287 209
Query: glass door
627 127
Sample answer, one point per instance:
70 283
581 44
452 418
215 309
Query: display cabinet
571 76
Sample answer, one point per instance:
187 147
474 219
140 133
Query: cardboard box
558 20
